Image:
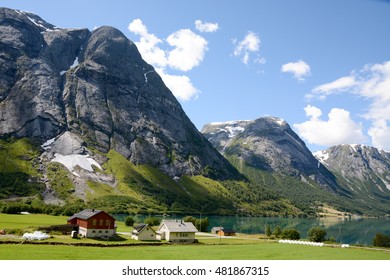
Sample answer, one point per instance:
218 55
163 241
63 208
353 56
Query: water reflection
351 230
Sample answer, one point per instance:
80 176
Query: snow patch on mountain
322 156
71 161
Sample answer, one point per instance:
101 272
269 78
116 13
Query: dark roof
140 227
86 214
228 230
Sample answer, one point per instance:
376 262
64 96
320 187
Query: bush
291 234
200 224
381 240
268 230
152 221
316 234
277 231
129 221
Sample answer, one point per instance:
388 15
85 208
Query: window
93 231
107 223
101 222
94 222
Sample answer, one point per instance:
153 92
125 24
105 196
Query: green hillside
305 193
137 188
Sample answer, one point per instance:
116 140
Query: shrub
291 234
316 234
129 221
277 231
152 221
381 240
268 230
200 224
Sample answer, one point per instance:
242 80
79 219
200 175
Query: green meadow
209 248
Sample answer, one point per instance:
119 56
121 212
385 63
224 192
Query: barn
94 223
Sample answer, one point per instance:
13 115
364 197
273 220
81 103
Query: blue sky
323 66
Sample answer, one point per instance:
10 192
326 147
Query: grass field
209 248
259 251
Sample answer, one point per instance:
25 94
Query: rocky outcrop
363 169
96 86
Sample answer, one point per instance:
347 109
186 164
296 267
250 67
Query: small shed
216 230
143 232
227 232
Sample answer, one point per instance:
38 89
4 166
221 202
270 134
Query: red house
94 223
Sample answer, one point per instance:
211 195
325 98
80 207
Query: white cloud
380 135
338 129
206 27
181 86
373 84
148 44
341 84
299 69
249 45
183 51
189 49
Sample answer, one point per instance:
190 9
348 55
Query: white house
143 232
176 231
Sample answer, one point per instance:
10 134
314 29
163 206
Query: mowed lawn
208 249
259 251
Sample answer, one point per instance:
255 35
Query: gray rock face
271 145
365 170
97 86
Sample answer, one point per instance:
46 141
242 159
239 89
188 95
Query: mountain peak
268 143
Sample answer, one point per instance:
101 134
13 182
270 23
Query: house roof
178 226
228 230
216 228
85 214
140 227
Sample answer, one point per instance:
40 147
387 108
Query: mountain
84 120
271 154
269 144
364 170
95 85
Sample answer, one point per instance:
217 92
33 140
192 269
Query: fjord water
347 230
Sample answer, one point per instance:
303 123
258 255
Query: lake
352 230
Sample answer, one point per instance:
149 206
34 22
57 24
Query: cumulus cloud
339 128
250 45
182 50
148 44
299 69
189 49
372 83
206 26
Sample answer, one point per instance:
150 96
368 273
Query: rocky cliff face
269 144
96 86
364 170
